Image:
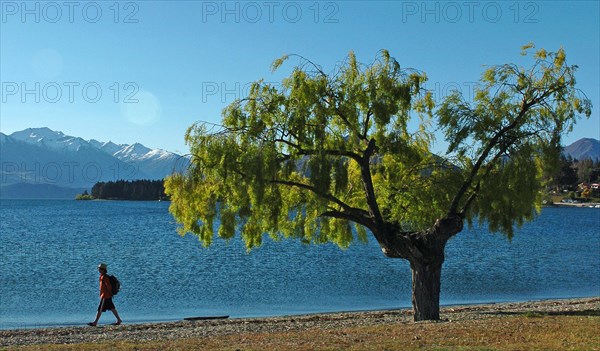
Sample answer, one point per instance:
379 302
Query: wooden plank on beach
205 318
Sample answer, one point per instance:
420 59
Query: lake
50 249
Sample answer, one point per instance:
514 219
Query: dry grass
523 331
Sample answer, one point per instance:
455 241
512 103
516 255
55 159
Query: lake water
50 249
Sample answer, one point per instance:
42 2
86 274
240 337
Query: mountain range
59 165
42 163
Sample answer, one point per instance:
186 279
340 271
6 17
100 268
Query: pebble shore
327 321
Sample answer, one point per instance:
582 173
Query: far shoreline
577 205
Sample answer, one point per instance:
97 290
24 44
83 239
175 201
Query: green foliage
510 194
588 171
508 138
289 162
140 190
307 159
84 196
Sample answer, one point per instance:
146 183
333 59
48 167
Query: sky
144 71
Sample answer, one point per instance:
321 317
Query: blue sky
144 71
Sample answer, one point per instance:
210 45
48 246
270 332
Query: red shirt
105 287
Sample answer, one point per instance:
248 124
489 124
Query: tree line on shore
573 175
142 190
577 177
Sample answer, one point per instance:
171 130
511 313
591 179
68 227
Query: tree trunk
425 252
426 280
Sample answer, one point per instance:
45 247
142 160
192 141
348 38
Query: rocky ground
329 321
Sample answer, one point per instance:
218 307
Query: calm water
49 252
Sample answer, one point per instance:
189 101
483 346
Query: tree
322 152
566 176
585 169
84 196
145 190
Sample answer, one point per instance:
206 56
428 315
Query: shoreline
576 204
327 321
58 325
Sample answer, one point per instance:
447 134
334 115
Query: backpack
115 284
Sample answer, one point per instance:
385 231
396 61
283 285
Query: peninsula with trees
137 190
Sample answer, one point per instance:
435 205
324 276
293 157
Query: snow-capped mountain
139 154
108 146
44 156
156 162
49 138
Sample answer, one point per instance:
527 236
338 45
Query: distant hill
41 156
584 148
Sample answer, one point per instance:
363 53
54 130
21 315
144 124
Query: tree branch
365 171
347 208
484 155
366 126
306 152
358 218
489 168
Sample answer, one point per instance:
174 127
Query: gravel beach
328 321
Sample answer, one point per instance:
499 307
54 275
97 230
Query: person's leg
98 314
114 311
96 320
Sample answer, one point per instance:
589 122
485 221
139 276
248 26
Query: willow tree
333 158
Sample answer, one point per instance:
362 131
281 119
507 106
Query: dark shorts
106 305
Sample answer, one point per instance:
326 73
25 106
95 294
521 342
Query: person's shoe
91 324
117 323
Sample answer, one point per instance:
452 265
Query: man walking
106 302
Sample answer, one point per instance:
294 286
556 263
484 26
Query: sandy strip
578 204
189 329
